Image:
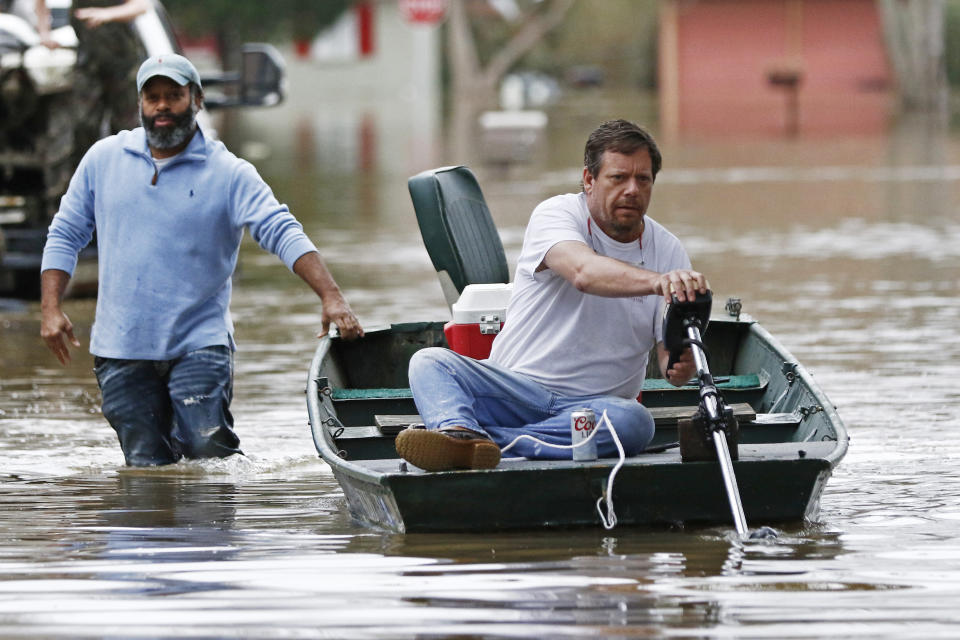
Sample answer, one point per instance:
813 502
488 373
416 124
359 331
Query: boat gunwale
842 438
317 423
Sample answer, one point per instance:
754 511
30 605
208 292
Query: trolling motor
683 324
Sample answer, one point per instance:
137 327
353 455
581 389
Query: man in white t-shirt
591 281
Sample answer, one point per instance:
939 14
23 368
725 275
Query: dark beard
170 137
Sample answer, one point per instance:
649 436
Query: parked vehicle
37 123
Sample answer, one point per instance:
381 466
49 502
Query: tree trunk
469 92
473 85
914 34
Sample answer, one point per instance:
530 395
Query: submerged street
846 248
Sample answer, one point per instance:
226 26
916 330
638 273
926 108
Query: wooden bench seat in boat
376 441
662 417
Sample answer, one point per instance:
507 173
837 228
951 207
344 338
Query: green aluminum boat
789 439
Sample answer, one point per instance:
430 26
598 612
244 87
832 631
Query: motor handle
677 316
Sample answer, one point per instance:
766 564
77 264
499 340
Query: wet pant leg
164 410
201 389
137 406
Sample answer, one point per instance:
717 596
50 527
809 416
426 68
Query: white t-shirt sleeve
555 220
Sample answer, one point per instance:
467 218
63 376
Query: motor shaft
730 482
711 403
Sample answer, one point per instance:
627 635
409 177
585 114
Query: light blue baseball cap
171 65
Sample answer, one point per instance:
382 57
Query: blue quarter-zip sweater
168 241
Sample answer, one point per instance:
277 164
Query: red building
784 67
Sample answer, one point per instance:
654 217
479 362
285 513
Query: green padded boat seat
741 382
457 229
367 394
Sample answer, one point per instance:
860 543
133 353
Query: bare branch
535 27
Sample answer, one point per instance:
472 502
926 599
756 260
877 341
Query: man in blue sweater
169 206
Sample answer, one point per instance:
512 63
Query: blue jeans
450 389
168 409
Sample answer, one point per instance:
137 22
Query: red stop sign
423 11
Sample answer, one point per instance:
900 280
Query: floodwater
846 248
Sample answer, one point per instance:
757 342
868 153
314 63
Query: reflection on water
846 249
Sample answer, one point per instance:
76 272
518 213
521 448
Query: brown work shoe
447 449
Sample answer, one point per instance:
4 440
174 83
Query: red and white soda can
583 422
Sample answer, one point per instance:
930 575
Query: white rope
609 519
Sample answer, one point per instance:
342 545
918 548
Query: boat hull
557 495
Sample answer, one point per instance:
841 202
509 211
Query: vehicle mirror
261 75
259 82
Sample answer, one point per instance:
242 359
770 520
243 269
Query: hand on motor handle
685 284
